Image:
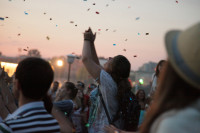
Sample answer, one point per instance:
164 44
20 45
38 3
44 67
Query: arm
88 60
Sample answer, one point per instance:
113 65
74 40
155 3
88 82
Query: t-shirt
108 89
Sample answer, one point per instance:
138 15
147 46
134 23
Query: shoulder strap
104 106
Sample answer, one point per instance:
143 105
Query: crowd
28 103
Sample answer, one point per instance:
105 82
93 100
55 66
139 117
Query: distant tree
34 53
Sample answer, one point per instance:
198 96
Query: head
119 69
80 85
140 95
159 67
69 89
55 86
179 86
33 78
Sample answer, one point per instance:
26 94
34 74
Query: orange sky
156 17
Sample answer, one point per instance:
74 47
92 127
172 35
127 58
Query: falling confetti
147 33
177 2
1 18
114 44
137 18
50 18
71 22
48 38
138 33
97 12
124 50
25 13
135 56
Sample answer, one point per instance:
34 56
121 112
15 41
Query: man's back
30 118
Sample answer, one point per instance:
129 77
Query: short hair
35 76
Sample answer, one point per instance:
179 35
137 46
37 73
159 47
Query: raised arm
89 56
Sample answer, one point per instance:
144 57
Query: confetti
114 44
48 38
177 2
50 18
97 12
137 18
124 50
71 22
147 33
1 18
93 4
135 56
138 33
25 13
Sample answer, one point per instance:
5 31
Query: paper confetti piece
1 18
147 33
137 18
114 44
138 33
48 38
97 12
25 13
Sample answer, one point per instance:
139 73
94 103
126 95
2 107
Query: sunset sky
118 17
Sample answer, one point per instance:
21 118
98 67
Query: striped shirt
30 118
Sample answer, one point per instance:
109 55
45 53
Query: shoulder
186 120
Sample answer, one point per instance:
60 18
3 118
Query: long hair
160 63
173 93
120 70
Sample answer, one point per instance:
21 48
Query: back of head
35 76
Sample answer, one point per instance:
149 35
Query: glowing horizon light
60 63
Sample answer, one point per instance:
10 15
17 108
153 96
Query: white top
179 121
108 89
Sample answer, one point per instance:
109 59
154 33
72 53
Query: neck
23 100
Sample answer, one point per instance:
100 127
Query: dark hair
72 87
79 83
120 70
35 76
173 93
160 63
137 95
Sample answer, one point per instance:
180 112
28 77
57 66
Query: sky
120 22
